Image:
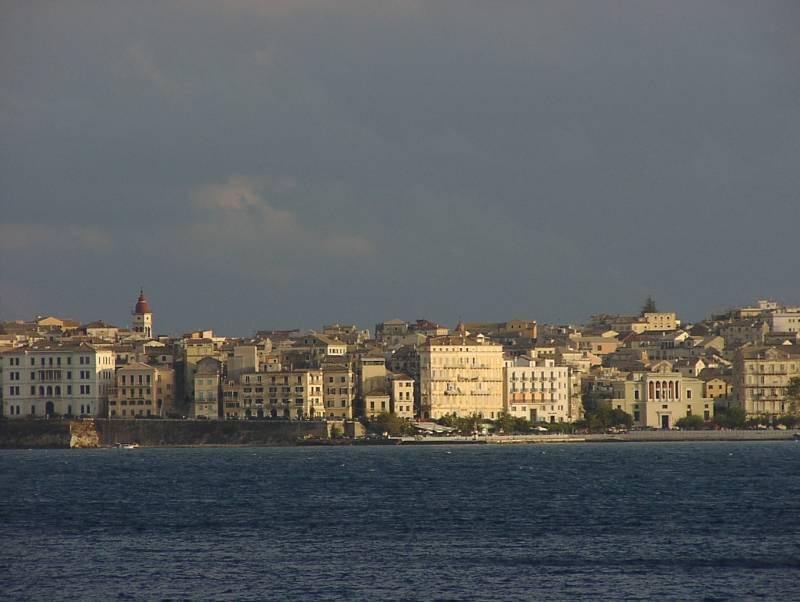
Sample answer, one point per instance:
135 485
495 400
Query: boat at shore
126 445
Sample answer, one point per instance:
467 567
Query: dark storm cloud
291 163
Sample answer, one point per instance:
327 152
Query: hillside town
645 371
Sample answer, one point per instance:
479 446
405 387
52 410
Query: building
376 404
294 394
660 321
785 321
744 332
660 397
371 375
512 329
401 394
461 375
761 376
537 390
56 380
338 391
142 318
191 351
141 390
717 386
207 388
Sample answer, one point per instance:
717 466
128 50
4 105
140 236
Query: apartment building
461 375
207 385
141 390
401 392
338 391
537 390
56 380
761 376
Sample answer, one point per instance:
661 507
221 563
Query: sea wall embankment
155 433
30 434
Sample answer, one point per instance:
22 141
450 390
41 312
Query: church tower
143 317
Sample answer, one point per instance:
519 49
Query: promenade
632 436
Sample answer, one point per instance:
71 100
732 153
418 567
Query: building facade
56 380
660 397
461 375
537 390
141 391
761 376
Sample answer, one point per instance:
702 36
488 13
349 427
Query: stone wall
156 433
32 434
23 434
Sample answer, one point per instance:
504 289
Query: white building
56 380
537 390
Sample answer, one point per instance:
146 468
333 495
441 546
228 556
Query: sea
604 521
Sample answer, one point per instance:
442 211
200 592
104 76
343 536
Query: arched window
58 390
41 391
671 390
49 390
652 390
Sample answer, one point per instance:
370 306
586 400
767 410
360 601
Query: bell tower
143 317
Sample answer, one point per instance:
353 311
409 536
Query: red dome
141 305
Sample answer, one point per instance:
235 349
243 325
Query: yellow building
294 394
660 320
660 397
233 400
461 375
376 404
338 391
141 391
760 378
207 387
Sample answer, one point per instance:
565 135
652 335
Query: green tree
388 423
732 417
793 394
510 424
603 417
690 423
649 306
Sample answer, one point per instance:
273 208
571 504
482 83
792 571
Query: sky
293 163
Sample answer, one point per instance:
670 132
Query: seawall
26 434
30 434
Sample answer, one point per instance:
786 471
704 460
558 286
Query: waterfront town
647 370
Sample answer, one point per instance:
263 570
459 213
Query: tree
388 423
603 417
463 424
649 306
732 417
510 424
793 394
690 423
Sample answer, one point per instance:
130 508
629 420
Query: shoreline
635 437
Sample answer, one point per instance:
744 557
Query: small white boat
126 445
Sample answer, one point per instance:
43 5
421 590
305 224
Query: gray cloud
304 161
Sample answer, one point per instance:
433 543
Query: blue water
677 521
